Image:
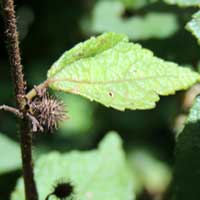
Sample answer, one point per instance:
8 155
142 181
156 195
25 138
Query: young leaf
187 176
194 26
117 73
10 155
99 174
184 2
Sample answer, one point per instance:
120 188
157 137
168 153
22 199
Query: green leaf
194 26
184 2
10 155
152 25
98 174
117 73
187 176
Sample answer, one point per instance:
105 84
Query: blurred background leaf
151 25
97 174
186 176
184 2
135 4
149 171
194 26
10 155
81 113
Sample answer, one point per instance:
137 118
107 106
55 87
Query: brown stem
26 149
12 110
20 87
32 93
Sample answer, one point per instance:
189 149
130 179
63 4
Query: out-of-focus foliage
97 174
118 74
187 177
134 4
149 172
184 2
10 155
151 25
194 26
81 114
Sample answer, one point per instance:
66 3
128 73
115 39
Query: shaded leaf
152 25
98 174
10 155
117 73
187 176
194 26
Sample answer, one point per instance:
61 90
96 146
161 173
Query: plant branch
20 88
12 110
32 93
13 49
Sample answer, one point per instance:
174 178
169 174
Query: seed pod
62 191
49 111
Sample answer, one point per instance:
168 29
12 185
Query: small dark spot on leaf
110 94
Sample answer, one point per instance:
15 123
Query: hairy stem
12 110
20 88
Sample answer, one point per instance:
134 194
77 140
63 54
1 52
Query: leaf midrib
113 81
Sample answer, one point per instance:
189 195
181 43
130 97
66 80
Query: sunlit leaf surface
118 74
